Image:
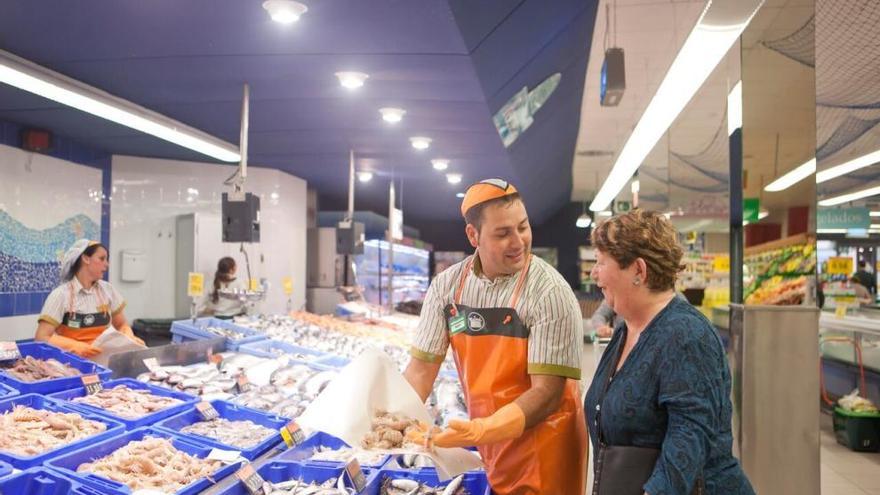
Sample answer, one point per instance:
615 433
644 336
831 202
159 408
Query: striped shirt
547 307
85 301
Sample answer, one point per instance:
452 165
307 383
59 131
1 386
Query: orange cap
485 190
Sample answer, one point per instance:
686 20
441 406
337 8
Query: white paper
368 384
225 456
112 342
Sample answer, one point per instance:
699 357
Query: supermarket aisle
843 472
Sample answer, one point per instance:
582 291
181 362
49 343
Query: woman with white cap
83 305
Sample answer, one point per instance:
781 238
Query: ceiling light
735 108
453 178
720 25
351 80
762 214
874 213
41 81
845 198
284 11
831 231
392 115
365 176
459 195
420 142
583 221
440 163
605 213
635 186
850 166
793 177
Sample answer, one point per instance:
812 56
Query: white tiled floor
844 472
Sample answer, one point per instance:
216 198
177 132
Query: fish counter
184 425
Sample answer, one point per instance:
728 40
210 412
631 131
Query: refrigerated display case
410 268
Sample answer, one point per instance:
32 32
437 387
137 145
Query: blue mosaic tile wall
25 284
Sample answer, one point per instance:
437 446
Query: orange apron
85 327
490 346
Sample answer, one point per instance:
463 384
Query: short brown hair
642 234
474 216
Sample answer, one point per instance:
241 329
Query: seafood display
447 400
388 431
127 402
364 457
151 463
290 390
241 434
403 486
28 432
229 333
30 369
333 486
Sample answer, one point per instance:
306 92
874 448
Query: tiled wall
26 297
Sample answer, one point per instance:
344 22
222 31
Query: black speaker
241 218
613 82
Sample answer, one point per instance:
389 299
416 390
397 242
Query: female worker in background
224 278
83 305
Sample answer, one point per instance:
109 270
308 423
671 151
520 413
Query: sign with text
840 265
751 209
196 285
843 218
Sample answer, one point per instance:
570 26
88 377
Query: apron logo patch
476 322
88 320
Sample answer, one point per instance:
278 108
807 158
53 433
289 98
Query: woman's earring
637 281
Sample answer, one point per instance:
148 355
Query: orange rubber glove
127 331
507 423
74 346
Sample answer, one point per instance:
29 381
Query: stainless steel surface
778 356
131 364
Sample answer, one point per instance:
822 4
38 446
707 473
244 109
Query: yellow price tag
840 265
287 284
254 285
196 285
840 310
721 263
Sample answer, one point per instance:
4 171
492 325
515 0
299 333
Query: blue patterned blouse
672 393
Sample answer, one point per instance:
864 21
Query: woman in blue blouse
669 380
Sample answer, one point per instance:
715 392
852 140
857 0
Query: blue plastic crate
264 348
303 452
67 397
279 471
38 402
5 470
186 330
42 350
475 483
43 481
232 412
7 391
334 361
68 463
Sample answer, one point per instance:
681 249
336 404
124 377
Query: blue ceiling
451 65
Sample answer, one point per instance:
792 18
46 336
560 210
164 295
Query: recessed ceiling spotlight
351 79
392 115
440 163
453 178
285 11
420 142
365 176
459 195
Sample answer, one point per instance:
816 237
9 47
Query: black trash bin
154 332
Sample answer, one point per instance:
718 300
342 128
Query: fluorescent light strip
850 166
845 198
874 213
831 231
793 177
20 73
735 108
704 48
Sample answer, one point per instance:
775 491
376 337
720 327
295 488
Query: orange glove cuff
507 423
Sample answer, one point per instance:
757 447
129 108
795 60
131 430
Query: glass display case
411 272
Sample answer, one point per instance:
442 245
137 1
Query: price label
9 351
840 310
196 284
243 384
152 364
254 285
207 411
840 265
721 263
92 384
214 358
292 434
287 285
353 469
251 479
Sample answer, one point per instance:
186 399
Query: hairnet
70 257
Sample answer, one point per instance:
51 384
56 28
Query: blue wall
26 303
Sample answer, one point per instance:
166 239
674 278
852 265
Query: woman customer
224 279
83 305
663 384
